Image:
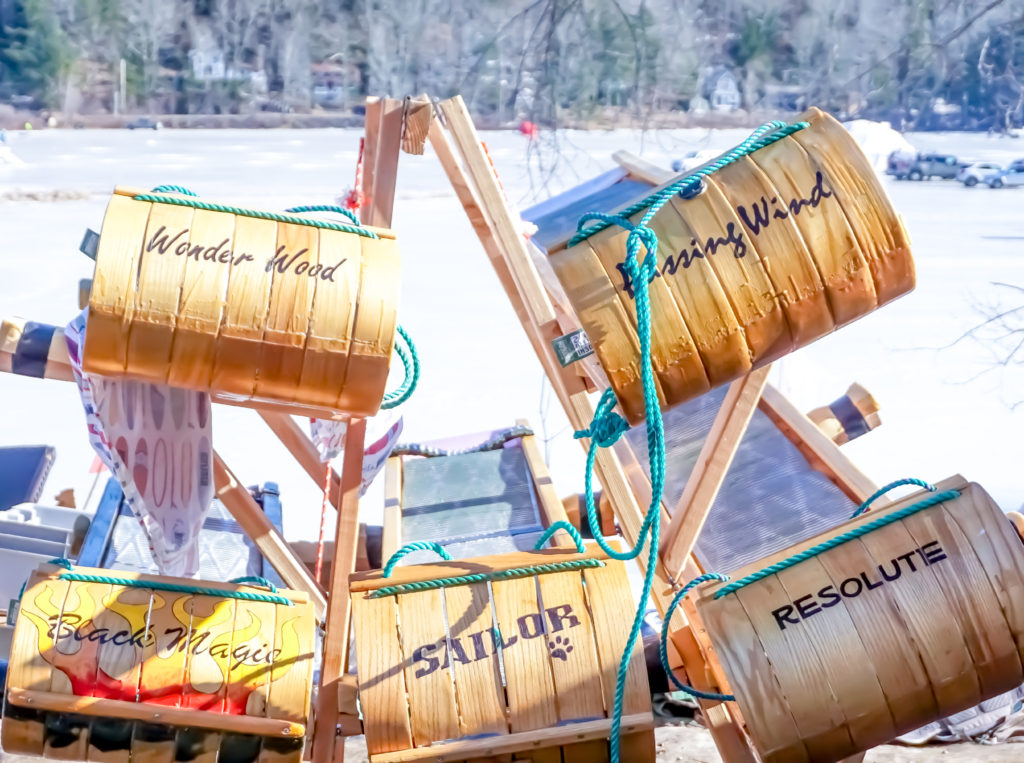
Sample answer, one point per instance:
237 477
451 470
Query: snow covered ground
479 372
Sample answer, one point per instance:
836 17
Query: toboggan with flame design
107 672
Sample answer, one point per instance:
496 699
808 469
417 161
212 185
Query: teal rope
411 363
259 214
560 525
408 548
885 489
254 580
607 426
174 189
333 208
481 577
158 585
691 184
820 548
663 645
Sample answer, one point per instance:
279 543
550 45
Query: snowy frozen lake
479 372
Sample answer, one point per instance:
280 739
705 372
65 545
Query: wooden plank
433 713
119 664
379 184
569 633
822 454
551 507
33 656
382 688
326 744
374 108
528 681
245 314
522 743
115 283
203 297
96 706
709 471
290 678
238 501
371 581
158 293
252 634
418 114
642 169
506 226
204 686
391 532
610 599
478 689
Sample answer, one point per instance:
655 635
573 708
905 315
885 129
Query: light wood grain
112 299
373 334
551 507
433 713
157 294
325 364
474 666
609 601
569 633
203 298
391 530
291 303
878 228
792 272
382 688
529 685
245 311
290 678
825 230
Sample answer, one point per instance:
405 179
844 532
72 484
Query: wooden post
709 471
327 745
551 506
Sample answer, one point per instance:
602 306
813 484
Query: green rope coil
279 217
174 189
158 585
411 363
254 580
481 577
846 537
561 524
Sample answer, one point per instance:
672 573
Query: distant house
720 88
207 64
333 83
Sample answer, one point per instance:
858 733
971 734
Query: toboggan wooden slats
260 313
780 247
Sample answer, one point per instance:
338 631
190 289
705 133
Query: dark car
143 123
923 166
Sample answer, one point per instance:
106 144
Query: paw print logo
560 648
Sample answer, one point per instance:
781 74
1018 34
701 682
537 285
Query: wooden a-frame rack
391 127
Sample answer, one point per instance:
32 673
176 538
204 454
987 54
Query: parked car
1011 176
143 123
923 166
978 172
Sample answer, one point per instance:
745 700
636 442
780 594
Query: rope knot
607 426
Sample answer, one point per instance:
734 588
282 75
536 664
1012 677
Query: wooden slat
474 661
433 713
326 744
96 706
566 625
238 501
551 508
418 114
522 743
370 581
289 679
709 471
382 689
203 296
505 224
391 531
529 685
823 454
610 601
381 162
